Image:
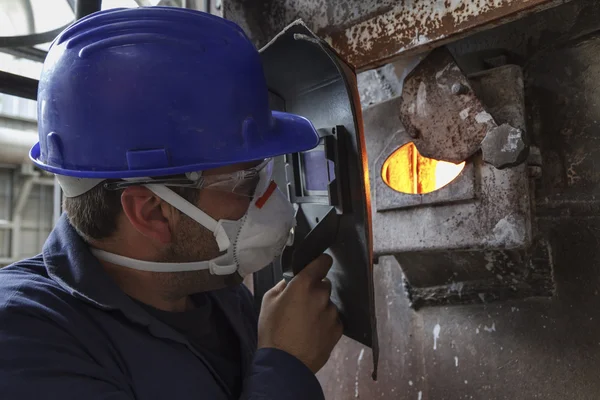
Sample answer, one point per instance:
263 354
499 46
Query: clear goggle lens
246 182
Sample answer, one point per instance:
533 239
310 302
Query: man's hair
94 214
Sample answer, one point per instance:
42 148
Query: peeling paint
436 335
405 26
513 142
507 231
483 117
370 33
457 287
358 361
422 100
464 114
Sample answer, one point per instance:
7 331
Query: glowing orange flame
408 171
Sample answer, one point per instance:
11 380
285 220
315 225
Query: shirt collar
70 263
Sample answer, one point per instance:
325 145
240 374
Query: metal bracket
314 242
300 169
311 246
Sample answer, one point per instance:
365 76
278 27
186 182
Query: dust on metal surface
478 236
370 33
504 147
440 110
417 25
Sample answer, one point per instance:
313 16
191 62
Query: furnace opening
407 171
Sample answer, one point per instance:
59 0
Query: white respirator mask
248 244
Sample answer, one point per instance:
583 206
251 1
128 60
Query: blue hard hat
157 91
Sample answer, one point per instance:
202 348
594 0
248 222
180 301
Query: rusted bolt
458 89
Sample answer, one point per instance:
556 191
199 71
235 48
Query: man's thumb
317 270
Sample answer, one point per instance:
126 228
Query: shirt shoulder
26 276
47 341
27 290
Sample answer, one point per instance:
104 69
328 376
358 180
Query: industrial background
487 288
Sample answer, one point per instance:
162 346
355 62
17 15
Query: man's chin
217 282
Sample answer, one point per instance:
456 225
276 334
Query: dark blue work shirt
68 332
210 332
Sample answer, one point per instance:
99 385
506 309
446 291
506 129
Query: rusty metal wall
369 33
540 348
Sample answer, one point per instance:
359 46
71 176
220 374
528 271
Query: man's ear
147 214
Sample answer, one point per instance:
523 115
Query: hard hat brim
289 133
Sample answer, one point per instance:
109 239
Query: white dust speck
512 142
477 331
483 117
410 383
422 100
507 231
490 329
436 335
457 287
466 382
464 114
360 357
420 396
456 361
482 297
441 72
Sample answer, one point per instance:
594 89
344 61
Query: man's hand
299 317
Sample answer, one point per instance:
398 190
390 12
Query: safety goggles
246 182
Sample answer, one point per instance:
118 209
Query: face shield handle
193 212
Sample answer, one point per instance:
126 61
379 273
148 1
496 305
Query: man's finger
327 286
317 270
277 289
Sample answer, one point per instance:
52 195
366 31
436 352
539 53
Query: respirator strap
193 212
151 266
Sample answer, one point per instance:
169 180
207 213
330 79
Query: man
156 122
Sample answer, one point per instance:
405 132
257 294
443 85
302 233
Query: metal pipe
30 53
44 181
40 214
4 224
18 85
10 194
16 122
29 15
15 145
56 203
33 39
18 217
86 7
24 195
